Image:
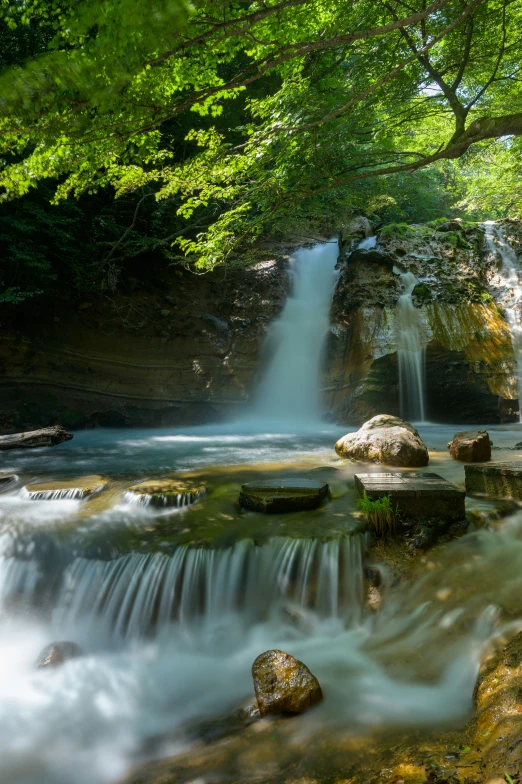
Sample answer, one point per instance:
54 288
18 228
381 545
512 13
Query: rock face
47 436
470 368
503 480
385 439
471 446
283 684
57 653
122 363
283 495
167 492
79 487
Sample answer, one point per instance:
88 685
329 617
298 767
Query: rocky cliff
183 349
187 349
469 363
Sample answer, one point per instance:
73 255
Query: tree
332 95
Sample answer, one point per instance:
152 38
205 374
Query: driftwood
46 436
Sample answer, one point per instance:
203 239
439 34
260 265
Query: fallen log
46 436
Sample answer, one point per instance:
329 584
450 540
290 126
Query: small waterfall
178 501
289 390
508 292
411 352
62 494
137 593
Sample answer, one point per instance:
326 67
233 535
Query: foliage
380 514
244 114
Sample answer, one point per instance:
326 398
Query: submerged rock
57 653
471 446
283 495
283 684
385 439
166 492
79 487
7 481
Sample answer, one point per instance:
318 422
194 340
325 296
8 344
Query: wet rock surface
471 446
57 653
7 482
283 495
501 480
283 684
385 439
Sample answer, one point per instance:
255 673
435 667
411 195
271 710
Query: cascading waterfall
289 391
508 292
137 593
178 501
411 352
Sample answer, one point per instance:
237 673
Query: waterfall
289 390
508 293
411 352
138 593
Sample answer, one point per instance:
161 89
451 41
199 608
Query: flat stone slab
416 494
283 495
500 479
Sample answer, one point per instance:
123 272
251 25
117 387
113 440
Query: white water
411 353
508 292
289 392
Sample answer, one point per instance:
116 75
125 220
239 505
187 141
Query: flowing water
411 353
172 605
508 292
289 390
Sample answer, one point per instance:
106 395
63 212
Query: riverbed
171 607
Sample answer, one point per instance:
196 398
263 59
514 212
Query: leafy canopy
242 114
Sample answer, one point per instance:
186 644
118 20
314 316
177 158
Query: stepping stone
503 480
283 495
78 488
416 494
165 492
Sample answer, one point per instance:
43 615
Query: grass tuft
380 514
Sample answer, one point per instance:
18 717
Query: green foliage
379 513
236 120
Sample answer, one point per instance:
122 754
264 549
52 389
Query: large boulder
283 684
385 439
57 653
283 495
471 446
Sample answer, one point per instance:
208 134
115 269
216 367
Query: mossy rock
167 492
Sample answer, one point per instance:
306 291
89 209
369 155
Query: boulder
471 446
283 684
79 487
47 436
57 653
166 492
385 439
283 495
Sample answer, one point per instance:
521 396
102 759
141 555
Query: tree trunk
46 436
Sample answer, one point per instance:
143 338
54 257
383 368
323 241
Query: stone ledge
500 479
416 494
